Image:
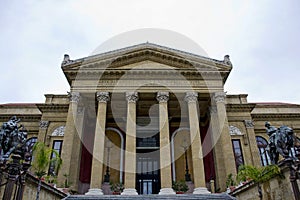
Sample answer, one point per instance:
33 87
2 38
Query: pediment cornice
113 62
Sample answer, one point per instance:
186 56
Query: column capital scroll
132 97
103 97
219 97
44 124
74 96
191 97
162 97
249 123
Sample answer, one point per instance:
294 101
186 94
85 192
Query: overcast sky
261 37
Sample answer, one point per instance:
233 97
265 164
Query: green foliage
67 182
51 179
257 174
230 181
180 186
41 161
116 187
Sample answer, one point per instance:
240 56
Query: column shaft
130 146
69 145
98 150
196 146
164 139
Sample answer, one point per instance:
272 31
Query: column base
94 191
201 190
166 191
129 191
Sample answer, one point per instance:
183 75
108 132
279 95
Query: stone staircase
222 196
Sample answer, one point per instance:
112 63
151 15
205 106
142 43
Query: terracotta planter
116 193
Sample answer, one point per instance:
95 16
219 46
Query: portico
140 99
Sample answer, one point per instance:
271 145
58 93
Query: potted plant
116 188
230 183
41 162
67 183
51 180
180 187
258 174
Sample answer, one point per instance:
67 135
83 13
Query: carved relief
234 130
60 131
132 97
103 97
162 97
191 97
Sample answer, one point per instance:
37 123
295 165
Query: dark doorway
148 173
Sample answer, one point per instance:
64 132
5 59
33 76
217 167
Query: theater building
148 115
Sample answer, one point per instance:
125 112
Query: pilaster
252 143
43 131
70 139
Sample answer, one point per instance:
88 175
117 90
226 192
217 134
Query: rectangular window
57 146
238 153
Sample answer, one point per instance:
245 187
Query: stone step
223 196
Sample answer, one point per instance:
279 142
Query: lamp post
185 146
107 174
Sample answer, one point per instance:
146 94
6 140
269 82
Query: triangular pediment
146 56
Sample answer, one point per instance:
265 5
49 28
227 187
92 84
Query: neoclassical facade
148 115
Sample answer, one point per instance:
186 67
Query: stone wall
276 188
47 192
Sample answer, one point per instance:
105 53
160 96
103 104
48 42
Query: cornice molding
276 115
240 107
53 107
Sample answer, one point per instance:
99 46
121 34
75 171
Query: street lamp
185 146
107 174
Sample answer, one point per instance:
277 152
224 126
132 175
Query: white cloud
261 37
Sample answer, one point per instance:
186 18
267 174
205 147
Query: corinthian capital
74 96
44 124
132 97
191 97
103 97
220 97
162 97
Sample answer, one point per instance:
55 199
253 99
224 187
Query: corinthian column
130 146
164 139
68 154
197 156
98 151
224 157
